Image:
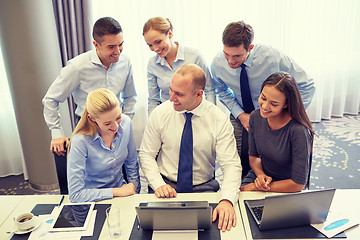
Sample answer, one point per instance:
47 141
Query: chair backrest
60 162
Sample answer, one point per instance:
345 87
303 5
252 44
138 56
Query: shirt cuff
231 196
108 193
236 111
57 133
158 183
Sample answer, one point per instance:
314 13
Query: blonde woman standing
158 34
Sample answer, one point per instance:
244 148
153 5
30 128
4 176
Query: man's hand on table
227 217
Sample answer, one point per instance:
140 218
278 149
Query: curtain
321 36
74 24
11 157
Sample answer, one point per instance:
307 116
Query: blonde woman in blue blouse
101 144
158 34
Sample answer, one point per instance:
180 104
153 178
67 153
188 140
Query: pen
62 199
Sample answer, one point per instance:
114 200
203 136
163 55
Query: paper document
335 224
175 235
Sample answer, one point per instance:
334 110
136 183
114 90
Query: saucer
37 224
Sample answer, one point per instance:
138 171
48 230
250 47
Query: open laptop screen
293 209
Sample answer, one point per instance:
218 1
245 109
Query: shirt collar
250 58
96 136
198 111
117 134
96 60
180 52
180 55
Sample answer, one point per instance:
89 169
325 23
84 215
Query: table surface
127 207
10 206
7 206
128 204
26 204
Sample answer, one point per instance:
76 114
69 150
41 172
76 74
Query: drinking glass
113 221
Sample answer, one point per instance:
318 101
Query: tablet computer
72 217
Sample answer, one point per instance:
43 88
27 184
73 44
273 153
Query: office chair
61 163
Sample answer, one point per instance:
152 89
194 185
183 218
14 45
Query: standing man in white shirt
212 137
240 57
103 67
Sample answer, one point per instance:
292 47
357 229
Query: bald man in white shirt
213 138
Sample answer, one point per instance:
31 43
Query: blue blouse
93 170
159 74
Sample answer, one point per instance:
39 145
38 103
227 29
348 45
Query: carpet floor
336 154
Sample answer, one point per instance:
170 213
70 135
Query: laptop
179 215
291 210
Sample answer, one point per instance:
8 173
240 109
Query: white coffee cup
25 221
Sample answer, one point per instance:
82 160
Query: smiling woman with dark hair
280 138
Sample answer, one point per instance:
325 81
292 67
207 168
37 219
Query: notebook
179 215
291 210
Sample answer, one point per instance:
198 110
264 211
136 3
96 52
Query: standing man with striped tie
239 71
182 139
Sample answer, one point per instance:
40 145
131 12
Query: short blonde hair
160 24
99 101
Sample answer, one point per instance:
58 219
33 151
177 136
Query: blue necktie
248 105
185 170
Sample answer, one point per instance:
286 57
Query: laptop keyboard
258 212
